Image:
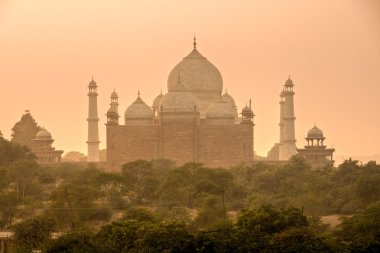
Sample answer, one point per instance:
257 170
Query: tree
76 241
74 156
164 238
361 232
31 234
297 239
368 188
140 179
24 131
140 215
10 152
8 207
269 221
73 204
22 173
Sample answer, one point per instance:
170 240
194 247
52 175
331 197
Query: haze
331 49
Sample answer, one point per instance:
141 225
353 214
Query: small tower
113 112
156 104
247 118
93 120
315 152
247 114
287 129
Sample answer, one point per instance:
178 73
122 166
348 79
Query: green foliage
78 241
140 215
195 203
164 238
139 177
11 152
32 233
8 207
74 156
118 236
361 232
297 239
267 220
368 188
24 131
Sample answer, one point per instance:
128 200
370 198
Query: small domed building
192 122
41 146
315 152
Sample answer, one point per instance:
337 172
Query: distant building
193 122
93 121
41 146
286 148
315 152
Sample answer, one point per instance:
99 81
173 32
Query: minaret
287 129
93 132
113 114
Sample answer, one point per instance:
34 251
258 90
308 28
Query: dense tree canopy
24 131
156 205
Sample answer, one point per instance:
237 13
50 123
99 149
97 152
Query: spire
195 42
93 132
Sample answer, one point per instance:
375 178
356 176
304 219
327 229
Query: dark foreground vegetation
154 206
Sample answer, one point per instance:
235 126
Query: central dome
179 100
198 75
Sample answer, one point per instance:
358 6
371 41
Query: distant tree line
263 229
157 205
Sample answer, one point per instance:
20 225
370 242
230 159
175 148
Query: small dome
114 94
289 82
197 74
43 134
92 83
138 110
315 132
156 101
246 110
178 99
227 97
220 109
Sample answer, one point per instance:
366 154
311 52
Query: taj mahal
192 122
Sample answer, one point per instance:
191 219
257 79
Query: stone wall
182 141
225 145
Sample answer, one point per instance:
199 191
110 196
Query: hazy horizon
331 49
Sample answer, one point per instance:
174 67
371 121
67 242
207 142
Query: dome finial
161 91
250 103
138 93
195 42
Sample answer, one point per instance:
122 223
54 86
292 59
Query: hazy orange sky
331 48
